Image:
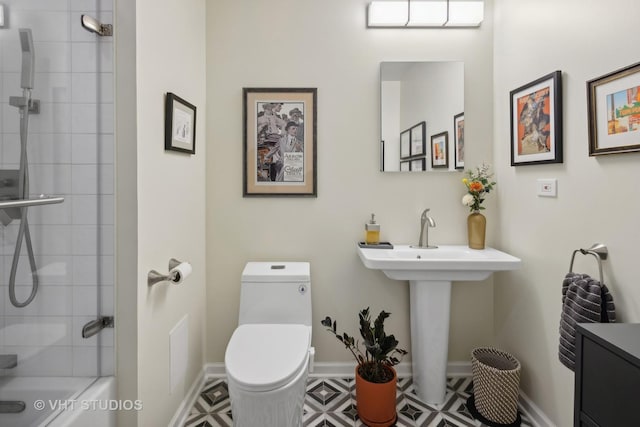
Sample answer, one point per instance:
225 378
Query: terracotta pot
376 402
476 230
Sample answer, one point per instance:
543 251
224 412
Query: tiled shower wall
71 152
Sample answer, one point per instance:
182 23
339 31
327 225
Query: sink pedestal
430 273
430 309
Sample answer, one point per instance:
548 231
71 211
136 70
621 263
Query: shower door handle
95 326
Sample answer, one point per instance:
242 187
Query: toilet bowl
268 356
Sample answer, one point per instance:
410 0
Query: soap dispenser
372 232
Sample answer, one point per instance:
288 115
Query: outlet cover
547 187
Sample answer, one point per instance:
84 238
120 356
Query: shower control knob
302 289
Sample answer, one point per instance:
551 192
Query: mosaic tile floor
330 402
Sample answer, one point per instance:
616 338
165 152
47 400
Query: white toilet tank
275 292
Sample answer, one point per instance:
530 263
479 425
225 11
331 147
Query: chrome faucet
425 222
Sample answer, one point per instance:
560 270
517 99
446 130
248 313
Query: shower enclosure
56 205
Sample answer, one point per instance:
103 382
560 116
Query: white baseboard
182 412
533 412
346 369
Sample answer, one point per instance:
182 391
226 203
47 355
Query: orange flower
476 186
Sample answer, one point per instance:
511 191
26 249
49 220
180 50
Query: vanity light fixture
425 13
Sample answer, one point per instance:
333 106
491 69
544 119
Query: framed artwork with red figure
536 121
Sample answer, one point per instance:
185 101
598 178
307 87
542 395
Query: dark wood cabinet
607 375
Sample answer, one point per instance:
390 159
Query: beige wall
325 44
170 43
596 195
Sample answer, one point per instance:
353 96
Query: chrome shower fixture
94 26
28 58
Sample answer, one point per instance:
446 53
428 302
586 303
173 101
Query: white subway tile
84 88
84 118
50 179
85 300
84 239
85 209
38 330
84 179
85 361
84 148
42 361
51 270
49 301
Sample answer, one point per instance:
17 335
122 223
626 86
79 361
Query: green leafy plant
380 349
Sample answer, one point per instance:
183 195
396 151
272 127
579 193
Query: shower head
28 58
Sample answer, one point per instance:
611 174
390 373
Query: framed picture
440 150
179 124
536 121
405 166
614 112
280 142
458 140
405 144
418 139
418 165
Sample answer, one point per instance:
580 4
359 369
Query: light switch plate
547 187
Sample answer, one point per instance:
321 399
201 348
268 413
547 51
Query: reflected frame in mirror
419 164
418 139
458 140
405 144
440 150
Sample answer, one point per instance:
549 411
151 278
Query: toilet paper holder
176 273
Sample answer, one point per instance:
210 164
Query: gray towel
584 300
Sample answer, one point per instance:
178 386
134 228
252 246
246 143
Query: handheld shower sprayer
28 58
26 106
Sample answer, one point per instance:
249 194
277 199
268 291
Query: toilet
269 354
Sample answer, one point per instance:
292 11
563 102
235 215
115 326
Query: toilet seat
263 357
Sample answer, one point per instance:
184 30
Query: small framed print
536 121
440 150
405 144
418 165
458 140
179 124
613 101
280 142
418 137
405 166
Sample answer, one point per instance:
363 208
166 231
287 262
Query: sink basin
430 273
446 262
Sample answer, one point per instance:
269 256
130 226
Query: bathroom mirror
421 116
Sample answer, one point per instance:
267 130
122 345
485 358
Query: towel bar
598 250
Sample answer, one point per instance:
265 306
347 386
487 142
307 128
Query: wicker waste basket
496 382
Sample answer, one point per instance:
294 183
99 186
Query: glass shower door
59 79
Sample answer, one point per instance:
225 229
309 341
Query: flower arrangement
478 182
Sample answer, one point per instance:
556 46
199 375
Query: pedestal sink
430 273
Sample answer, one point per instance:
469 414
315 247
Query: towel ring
598 250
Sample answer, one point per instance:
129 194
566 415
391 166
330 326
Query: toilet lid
264 357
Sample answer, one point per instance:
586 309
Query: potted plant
375 376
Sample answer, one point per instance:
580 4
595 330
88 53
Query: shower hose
23 231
